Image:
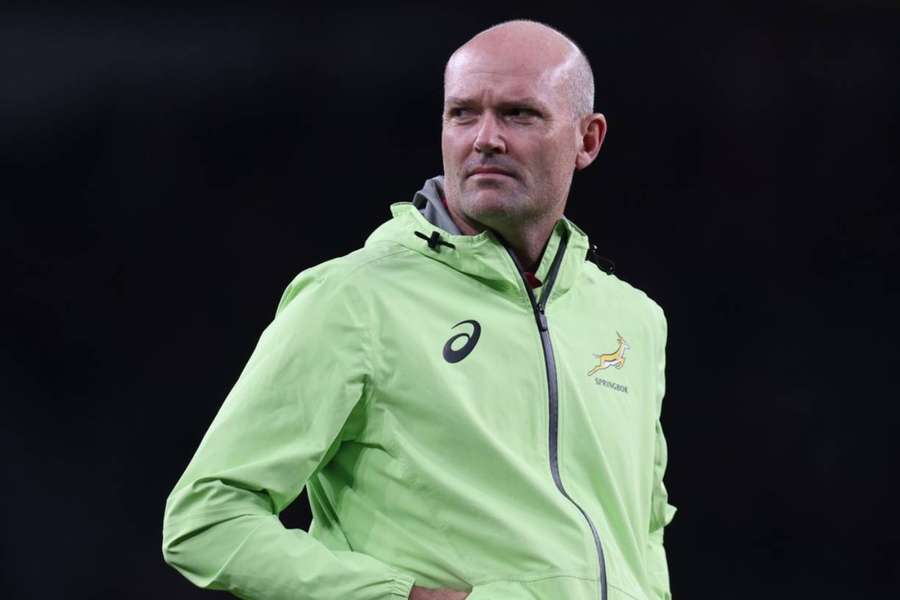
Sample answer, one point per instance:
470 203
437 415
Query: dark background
167 171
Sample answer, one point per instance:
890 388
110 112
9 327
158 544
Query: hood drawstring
435 241
604 264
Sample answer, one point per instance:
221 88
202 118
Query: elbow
181 551
171 540
170 549
182 523
204 523
201 532
180 529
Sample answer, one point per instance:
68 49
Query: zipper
540 317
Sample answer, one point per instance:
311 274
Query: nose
489 139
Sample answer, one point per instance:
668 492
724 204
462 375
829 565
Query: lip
489 171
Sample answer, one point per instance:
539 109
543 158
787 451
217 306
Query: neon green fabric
420 470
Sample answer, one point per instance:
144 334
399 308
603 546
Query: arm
661 512
300 394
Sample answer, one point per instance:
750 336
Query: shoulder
350 274
625 297
610 291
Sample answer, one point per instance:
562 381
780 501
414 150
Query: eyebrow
525 100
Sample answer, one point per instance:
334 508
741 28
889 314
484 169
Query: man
472 405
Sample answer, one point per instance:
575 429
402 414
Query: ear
592 131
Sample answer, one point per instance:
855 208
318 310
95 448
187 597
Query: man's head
517 123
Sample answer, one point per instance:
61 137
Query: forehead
472 73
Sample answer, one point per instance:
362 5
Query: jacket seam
323 277
534 579
624 591
368 365
518 299
374 259
202 517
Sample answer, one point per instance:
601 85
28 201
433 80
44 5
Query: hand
421 593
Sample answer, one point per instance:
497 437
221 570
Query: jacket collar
483 256
430 202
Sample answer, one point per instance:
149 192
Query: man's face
509 139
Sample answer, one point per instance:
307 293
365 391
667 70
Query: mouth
489 172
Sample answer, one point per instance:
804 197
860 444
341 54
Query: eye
522 113
460 113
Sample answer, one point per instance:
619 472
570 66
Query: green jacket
452 428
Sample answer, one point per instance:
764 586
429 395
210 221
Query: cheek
453 148
549 161
562 158
553 165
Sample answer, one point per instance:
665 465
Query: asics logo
452 355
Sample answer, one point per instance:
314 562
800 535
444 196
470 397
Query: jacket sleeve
661 512
300 392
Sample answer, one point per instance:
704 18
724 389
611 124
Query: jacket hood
429 201
424 226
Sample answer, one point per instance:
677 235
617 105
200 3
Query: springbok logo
615 359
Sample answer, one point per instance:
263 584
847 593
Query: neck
528 245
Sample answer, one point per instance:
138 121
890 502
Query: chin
491 191
487 206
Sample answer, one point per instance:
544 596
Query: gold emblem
614 359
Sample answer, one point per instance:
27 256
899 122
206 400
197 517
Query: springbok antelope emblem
616 359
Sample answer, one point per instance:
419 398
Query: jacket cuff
402 586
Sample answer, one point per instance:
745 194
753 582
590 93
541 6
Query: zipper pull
542 319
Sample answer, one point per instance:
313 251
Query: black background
167 171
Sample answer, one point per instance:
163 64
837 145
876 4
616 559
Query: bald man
471 400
